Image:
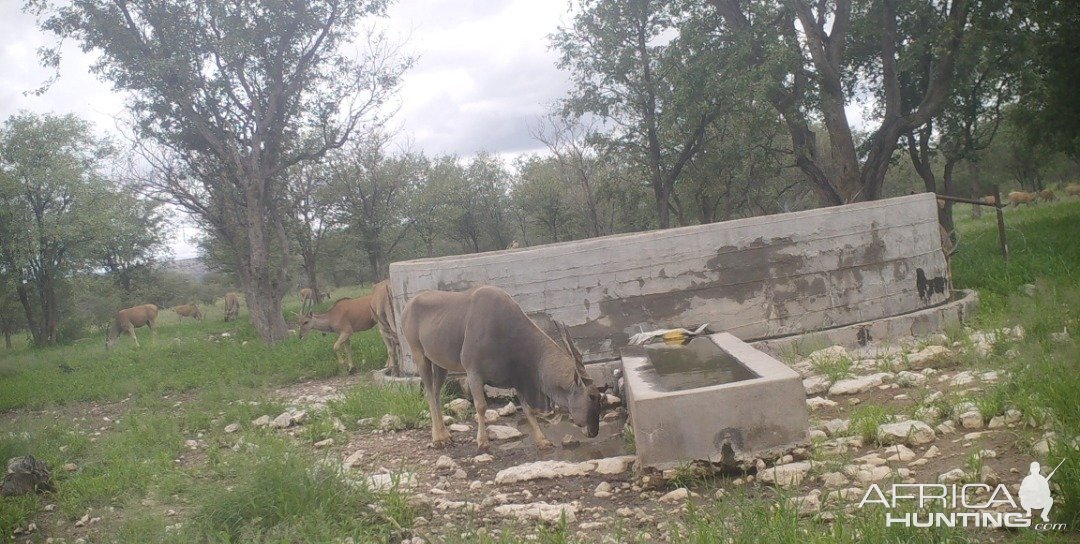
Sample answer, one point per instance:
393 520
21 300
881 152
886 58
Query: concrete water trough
715 398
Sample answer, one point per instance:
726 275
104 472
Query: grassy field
126 418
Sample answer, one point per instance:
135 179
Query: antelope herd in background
1017 198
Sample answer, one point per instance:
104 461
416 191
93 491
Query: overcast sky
484 74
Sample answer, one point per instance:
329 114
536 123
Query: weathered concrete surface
757 278
730 421
912 324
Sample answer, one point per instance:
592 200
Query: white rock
353 459
678 495
507 410
837 427
853 386
930 357
570 440
483 458
391 422
459 407
834 480
910 432
538 511
908 378
790 474
946 427
282 421
962 378
1041 448
325 443
816 434
815 385
971 420
491 416
459 428
871 459
829 355
1013 416
232 427
261 421
614 465
814 403
503 432
953 476
900 453
603 487
931 452
612 400
444 462
543 470
386 481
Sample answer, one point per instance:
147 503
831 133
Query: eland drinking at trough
484 333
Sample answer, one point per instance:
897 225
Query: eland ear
579 362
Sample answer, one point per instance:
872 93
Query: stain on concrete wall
757 278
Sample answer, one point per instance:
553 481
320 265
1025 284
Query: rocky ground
910 413
880 414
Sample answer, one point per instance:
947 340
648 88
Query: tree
541 197
372 187
52 195
814 73
574 144
311 217
986 76
139 230
1050 112
658 93
234 94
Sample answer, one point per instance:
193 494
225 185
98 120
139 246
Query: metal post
1001 224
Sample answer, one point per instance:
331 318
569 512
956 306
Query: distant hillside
193 267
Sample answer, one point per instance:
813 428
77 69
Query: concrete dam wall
756 278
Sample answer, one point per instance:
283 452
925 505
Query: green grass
373 401
865 420
183 358
257 485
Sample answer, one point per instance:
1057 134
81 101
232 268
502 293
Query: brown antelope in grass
484 333
188 310
128 319
1046 195
1073 189
1017 198
350 315
232 305
308 301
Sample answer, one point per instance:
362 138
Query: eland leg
541 441
391 352
476 387
343 341
432 376
131 331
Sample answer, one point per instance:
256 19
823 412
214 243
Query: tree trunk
263 283
28 309
312 277
7 339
